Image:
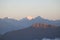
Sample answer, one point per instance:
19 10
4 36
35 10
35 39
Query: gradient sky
49 9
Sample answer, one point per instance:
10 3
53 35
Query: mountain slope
33 33
9 24
25 22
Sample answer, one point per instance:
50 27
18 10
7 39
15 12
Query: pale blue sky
49 9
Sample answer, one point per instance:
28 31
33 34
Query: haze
49 9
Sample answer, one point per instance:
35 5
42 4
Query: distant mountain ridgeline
36 31
9 24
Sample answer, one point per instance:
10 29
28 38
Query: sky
49 9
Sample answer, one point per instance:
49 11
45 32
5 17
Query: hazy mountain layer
34 32
8 24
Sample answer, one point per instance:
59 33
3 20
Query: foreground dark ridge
36 31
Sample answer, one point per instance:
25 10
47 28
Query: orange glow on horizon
30 17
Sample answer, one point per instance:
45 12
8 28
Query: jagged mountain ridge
39 20
8 24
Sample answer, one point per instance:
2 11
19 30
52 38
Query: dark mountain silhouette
37 31
9 24
0 37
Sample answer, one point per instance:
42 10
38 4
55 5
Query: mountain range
9 24
36 31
